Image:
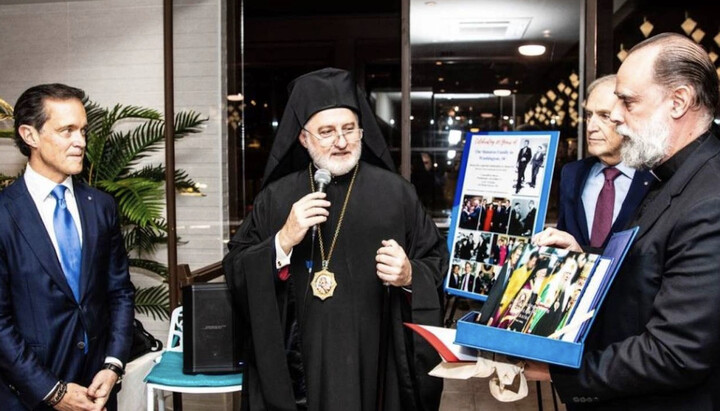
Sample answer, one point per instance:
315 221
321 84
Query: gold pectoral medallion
323 284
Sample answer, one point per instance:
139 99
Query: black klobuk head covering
314 92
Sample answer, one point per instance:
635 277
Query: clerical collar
667 169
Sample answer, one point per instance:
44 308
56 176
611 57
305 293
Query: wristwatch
117 370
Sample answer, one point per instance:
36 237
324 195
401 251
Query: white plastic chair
167 373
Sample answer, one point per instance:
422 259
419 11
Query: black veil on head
313 92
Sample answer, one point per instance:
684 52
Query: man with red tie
599 194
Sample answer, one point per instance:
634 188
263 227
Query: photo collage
498 209
541 293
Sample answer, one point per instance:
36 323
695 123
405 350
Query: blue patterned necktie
68 241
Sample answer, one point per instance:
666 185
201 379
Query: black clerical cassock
301 351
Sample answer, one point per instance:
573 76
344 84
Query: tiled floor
474 395
458 395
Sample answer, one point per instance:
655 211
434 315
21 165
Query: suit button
81 345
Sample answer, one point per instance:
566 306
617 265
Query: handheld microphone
322 178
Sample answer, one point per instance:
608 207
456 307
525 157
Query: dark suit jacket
572 215
524 155
41 324
655 344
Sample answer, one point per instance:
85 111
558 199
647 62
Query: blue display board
500 202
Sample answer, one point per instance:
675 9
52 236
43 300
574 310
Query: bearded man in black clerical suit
381 254
654 342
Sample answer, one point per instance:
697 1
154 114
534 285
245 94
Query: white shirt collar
624 169
40 186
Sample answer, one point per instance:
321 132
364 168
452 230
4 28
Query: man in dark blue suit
581 181
66 301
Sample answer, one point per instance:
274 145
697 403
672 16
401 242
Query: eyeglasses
328 138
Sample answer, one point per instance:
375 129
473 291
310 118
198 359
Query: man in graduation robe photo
322 311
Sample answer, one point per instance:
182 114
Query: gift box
523 332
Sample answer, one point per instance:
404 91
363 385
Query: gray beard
335 167
646 148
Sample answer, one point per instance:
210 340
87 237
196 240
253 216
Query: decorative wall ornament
698 35
646 28
688 25
622 54
574 80
717 39
713 56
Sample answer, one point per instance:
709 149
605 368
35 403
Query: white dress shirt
40 189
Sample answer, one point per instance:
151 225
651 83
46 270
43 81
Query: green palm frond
103 149
188 122
6 110
153 301
6 114
144 240
5 181
140 201
150 265
157 173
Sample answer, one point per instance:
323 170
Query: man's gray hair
598 81
682 62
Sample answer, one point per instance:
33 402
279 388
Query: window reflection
468 75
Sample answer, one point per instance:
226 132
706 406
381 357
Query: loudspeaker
210 336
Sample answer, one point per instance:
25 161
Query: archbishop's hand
76 399
393 266
101 386
552 237
305 213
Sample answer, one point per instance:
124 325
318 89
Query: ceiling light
438 63
451 154
532 50
502 92
235 97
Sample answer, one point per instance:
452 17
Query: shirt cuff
113 360
281 259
